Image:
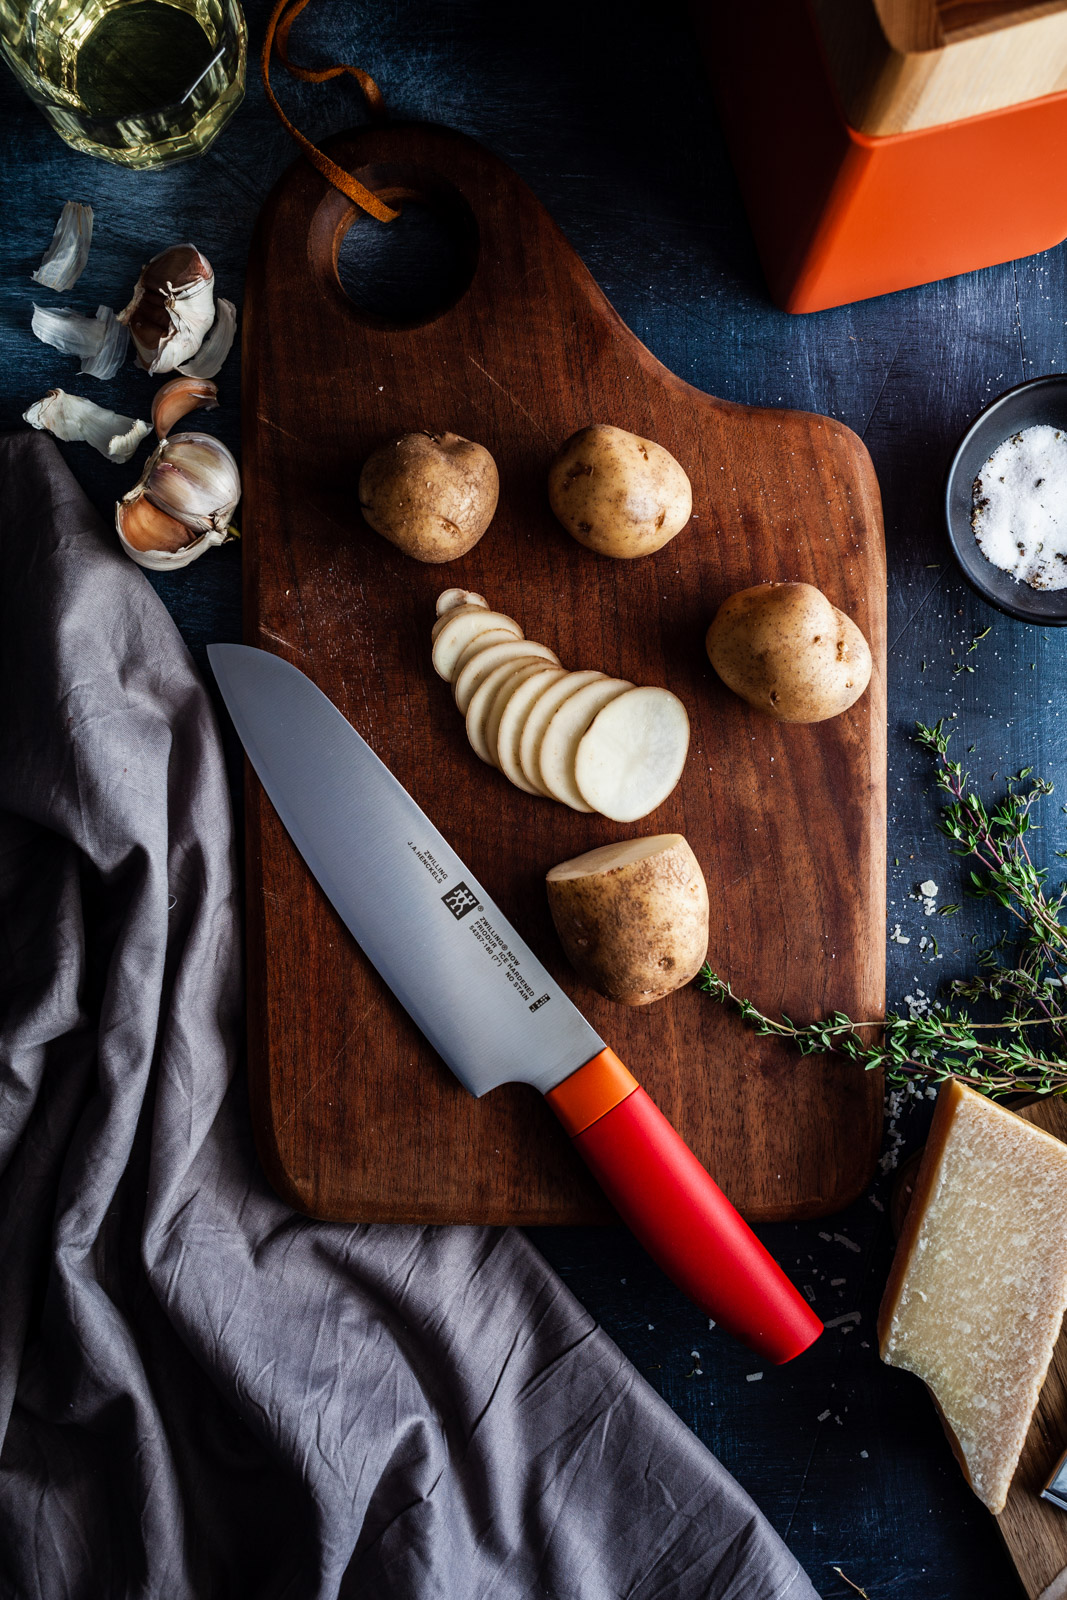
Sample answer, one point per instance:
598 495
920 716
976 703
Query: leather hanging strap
281 20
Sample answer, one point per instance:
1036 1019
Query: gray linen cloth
201 1393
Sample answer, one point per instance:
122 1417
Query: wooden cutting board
355 1117
1034 1530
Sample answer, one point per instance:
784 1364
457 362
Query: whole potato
431 494
790 653
618 494
632 917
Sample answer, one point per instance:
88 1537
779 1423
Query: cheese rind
978 1287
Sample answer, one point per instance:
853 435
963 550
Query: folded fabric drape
201 1393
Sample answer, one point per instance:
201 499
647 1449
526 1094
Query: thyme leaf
1022 978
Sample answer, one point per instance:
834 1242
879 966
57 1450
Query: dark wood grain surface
354 1115
605 111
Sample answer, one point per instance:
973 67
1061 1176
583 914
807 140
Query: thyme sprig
1022 977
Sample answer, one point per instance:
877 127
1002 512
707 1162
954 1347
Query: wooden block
902 65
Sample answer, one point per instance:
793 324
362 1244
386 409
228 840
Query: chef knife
482 998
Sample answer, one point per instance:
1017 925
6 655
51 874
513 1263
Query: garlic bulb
70 417
183 503
172 308
64 261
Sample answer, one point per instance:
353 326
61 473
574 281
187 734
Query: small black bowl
1042 400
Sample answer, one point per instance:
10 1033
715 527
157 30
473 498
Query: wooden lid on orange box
902 65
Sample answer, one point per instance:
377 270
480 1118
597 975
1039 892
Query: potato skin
636 932
618 494
786 650
431 494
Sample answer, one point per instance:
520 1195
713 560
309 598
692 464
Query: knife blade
483 999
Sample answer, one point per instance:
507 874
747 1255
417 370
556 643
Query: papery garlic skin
189 487
64 261
70 417
172 308
100 342
216 347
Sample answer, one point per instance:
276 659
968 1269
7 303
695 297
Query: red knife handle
678 1212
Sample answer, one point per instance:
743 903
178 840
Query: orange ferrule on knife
591 1092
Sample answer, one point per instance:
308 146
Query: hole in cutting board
406 273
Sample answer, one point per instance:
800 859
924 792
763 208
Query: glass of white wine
140 82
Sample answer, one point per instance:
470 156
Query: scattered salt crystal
928 888
823 1415
753 1377
875 1202
849 1244
835 1283
896 937
839 1322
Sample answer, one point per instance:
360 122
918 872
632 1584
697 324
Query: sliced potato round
512 720
451 615
481 704
540 715
631 754
478 666
481 641
451 598
555 760
500 701
454 631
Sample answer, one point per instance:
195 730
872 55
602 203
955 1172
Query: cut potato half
555 759
540 715
481 663
512 720
454 631
451 598
507 689
482 703
632 917
631 754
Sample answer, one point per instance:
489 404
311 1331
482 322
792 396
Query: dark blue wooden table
604 109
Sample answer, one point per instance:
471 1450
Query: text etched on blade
430 862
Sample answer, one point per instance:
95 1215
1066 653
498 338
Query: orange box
840 215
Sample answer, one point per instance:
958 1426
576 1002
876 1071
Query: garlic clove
192 476
172 308
70 417
64 261
144 527
178 397
157 541
216 347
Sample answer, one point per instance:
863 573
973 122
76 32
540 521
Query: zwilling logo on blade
460 900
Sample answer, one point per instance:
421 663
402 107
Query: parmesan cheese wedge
978 1287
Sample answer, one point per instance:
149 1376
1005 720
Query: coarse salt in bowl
1020 505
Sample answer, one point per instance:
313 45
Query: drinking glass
139 82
